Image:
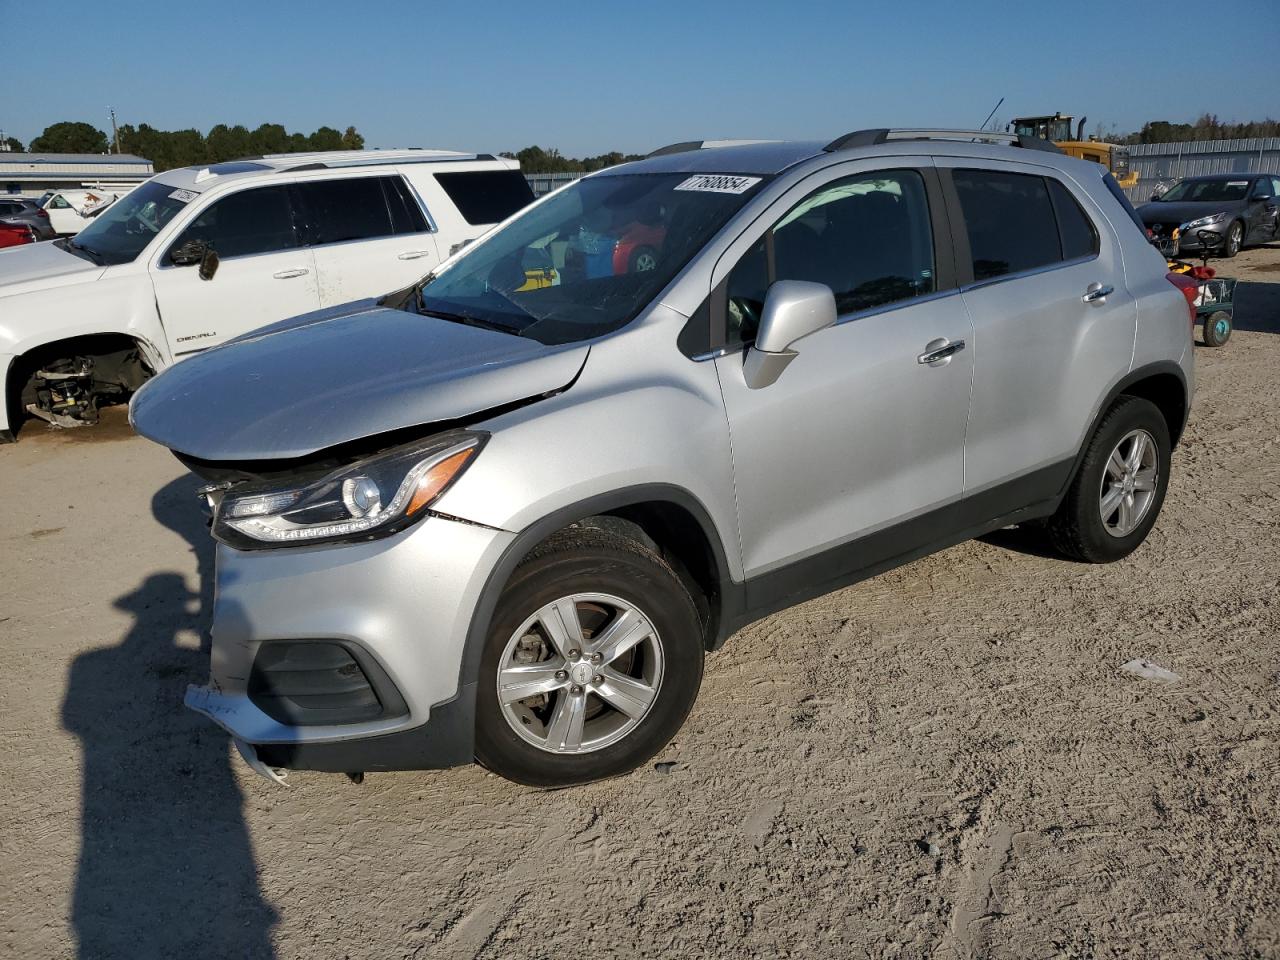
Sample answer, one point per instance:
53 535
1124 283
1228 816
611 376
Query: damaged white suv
198 256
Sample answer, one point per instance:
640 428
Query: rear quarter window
486 196
1121 199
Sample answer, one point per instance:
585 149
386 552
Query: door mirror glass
187 253
209 264
793 309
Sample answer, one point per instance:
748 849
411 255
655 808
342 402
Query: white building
31 174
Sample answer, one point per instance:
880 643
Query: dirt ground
946 761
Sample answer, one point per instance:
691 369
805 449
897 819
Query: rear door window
246 223
358 208
486 196
1010 221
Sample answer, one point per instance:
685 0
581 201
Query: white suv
197 256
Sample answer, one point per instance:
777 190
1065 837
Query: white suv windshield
125 228
587 260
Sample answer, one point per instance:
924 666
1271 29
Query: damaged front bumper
387 618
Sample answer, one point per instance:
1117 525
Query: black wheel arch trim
539 530
1137 375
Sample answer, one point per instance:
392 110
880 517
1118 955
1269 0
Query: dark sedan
1243 208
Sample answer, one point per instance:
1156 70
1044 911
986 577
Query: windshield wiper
89 252
468 320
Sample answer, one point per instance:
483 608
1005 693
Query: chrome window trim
1035 271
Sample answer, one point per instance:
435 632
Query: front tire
1116 496
600 636
1235 240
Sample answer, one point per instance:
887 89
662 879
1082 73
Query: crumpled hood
35 266
342 374
1185 212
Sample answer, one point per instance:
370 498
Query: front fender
112 304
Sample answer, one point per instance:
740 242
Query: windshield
123 230
1206 191
589 259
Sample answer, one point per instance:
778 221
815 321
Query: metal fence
544 183
1170 161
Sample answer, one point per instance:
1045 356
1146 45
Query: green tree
227 143
326 138
70 137
351 140
13 143
269 138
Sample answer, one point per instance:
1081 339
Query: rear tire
1116 495
595 714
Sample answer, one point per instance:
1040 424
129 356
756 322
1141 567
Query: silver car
504 514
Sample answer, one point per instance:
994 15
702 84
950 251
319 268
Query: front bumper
406 601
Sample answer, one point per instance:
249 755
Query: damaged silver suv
504 514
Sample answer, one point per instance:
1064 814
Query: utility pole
115 131
4 142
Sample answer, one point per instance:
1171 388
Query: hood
337 375
1186 212
34 266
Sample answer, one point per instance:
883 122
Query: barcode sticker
718 183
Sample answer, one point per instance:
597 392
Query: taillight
42 212
1189 289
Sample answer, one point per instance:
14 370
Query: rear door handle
1098 292
940 349
290 274
414 255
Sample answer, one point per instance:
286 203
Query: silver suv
504 514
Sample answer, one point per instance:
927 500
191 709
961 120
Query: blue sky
590 77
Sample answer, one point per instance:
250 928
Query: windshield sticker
718 183
1237 183
183 196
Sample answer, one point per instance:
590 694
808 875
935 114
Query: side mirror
209 264
190 252
793 309
196 251
1155 197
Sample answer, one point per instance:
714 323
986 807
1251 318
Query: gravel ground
944 761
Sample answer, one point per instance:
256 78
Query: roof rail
878 135
685 146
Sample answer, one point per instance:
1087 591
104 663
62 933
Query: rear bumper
405 602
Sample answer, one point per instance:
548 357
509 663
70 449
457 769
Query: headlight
371 498
1204 222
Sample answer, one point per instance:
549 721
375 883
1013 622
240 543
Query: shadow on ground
166 866
1257 306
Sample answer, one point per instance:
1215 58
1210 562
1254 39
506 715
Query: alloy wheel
1129 483
580 674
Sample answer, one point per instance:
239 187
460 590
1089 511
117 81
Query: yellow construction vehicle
1057 128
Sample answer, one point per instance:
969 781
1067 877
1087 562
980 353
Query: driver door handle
935 350
290 274
1097 292
414 255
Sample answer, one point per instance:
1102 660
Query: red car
638 248
15 234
